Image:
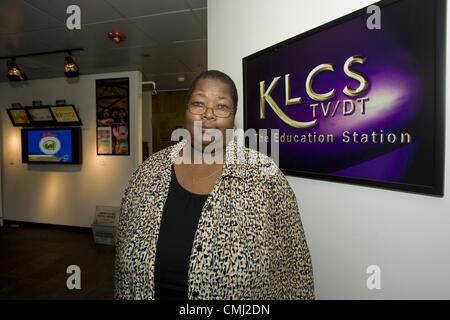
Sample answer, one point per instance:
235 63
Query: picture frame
19 117
40 116
405 92
66 115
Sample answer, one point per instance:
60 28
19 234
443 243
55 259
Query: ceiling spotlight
14 73
116 36
71 69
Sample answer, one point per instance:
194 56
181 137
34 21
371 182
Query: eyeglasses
220 110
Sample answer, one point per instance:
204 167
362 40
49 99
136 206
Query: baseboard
7 223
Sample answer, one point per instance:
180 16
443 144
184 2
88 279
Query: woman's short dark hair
217 75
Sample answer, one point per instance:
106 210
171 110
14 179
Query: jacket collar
234 166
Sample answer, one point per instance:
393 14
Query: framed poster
19 117
356 104
40 115
65 115
113 118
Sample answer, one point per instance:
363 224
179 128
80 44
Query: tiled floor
34 261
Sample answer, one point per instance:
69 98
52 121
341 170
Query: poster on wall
113 120
104 140
350 102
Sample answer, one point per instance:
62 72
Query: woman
115 114
106 117
211 231
122 116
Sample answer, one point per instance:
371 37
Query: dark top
178 226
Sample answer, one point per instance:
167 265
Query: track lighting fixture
71 69
14 73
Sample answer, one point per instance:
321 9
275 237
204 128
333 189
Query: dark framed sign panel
65 115
19 117
356 104
41 116
113 116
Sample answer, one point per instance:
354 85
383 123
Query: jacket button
195 294
199 247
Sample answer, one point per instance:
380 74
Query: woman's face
210 93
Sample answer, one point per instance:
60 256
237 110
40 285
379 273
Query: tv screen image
51 145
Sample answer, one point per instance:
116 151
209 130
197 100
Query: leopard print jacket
249 242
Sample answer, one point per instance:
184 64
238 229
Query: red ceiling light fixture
116 36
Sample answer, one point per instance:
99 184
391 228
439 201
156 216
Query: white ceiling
165 38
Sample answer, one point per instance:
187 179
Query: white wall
348 227
66 194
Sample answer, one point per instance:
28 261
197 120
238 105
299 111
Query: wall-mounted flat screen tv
51 146
358 100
